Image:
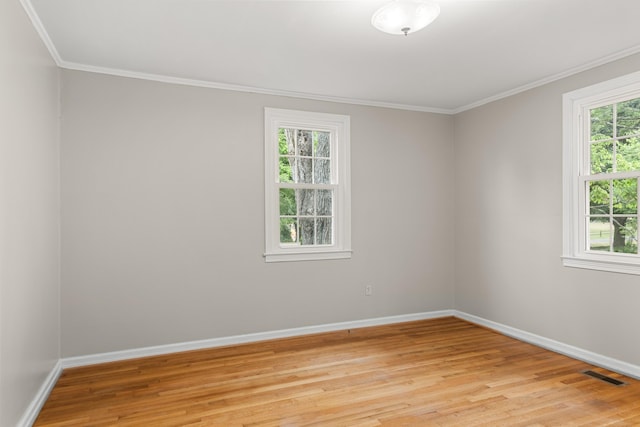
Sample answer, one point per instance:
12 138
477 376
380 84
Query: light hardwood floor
442 372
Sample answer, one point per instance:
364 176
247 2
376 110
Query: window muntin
307 194
601 173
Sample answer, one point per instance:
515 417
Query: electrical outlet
368 290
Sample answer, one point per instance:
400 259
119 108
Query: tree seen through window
614 146
306 214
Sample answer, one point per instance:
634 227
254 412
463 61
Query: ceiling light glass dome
405 16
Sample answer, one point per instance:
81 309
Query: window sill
602 264
307 256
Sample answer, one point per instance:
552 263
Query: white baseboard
606 362
32 411
556 346
30 415
69 362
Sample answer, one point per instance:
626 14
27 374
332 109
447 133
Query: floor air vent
604 378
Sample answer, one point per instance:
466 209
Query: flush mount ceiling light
405 16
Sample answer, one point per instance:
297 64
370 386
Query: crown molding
44 35
354 101
550 79
249 89
42 32
28 7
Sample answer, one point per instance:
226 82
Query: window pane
305 143
324 202
285 169
625 196
305 201
303 173
285 146
625 234
628 117
599 234
602 157
628 155
307 231
322 172
287 141
288 230
599 197
322 144
323 231
602 123
287 201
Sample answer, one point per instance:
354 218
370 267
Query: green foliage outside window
615 148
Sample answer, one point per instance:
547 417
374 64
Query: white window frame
576 105
339 127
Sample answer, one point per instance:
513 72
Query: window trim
339 126
573 155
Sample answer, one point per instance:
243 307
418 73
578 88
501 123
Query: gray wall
508 156
29 213
163 218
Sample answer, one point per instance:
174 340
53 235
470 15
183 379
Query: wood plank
440 372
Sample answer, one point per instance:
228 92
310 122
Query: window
601 168
307 194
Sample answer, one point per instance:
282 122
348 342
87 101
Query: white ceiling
477 50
